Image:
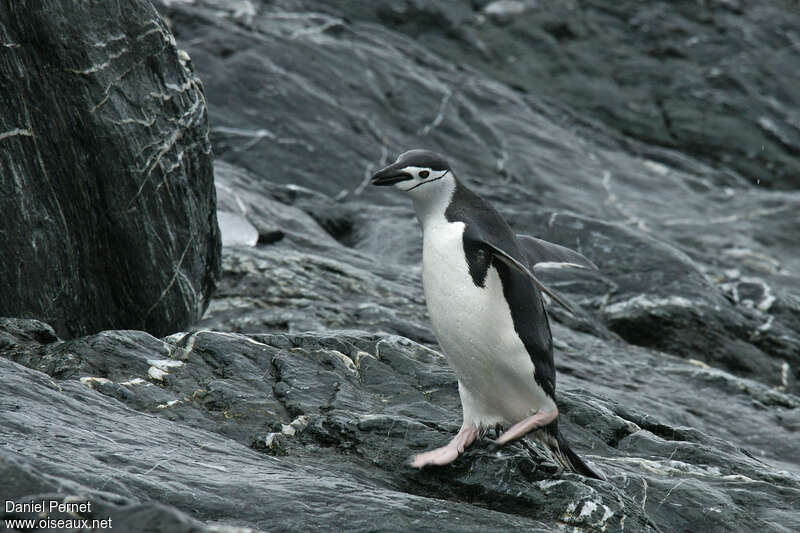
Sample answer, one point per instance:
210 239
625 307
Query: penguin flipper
518 264
541 251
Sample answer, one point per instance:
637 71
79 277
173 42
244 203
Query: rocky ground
661 142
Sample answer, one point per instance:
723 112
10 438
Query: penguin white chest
475 329
458 307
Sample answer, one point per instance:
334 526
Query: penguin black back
524 299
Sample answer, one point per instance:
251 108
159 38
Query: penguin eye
423 174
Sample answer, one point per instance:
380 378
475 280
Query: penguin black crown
487 310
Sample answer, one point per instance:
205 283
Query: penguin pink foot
447 454
523 427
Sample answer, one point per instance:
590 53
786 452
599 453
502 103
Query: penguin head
420 173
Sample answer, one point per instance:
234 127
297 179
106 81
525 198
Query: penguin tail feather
563 454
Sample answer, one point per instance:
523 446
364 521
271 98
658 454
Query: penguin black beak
389 176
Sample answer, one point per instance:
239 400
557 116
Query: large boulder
105 169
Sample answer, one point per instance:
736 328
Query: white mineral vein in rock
439 115
643 301
164 364
156 373
90 381
658 168
506 7
348 363
16 131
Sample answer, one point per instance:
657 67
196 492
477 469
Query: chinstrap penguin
486 309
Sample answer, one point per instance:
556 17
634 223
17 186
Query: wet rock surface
105 170
694 260
314 375
272 431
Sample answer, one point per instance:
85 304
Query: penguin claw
492 446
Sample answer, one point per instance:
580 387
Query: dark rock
714 80
106 170
711 80
320 375
15 332
652 294
670 232
694 260
336 415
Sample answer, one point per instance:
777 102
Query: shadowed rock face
316 375
105 170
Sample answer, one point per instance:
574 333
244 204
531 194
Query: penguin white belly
476 332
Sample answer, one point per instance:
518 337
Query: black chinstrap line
429 181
